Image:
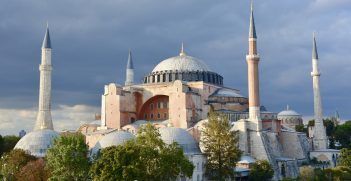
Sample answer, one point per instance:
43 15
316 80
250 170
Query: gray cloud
91 40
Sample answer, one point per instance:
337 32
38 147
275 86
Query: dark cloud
91 40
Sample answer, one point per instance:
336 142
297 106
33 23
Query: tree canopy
345 157
220 146
67 158
145 158
12 162
7 143
34 171
261 170
343 134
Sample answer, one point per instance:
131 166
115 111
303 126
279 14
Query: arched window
158 116
151 116
169 77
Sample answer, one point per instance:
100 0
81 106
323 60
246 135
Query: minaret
319 136
252 59
44 120
129 71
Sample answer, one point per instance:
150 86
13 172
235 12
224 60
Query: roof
112 139
181 63
252 31
224 92
289 112
130 61
314 50
182 137
46 41
247 159
37 142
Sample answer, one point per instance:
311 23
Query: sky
91 39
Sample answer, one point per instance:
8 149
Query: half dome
182 137
112 139
37 142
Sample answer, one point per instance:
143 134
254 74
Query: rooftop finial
314 50
182 53
287 107
252 31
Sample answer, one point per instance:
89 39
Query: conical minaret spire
320 141
252 59
129 70
44 120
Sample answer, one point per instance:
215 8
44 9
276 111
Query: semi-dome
182 63
112 139
37 142
182 137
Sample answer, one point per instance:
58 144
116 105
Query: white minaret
252 59
129 71
44 120
319 136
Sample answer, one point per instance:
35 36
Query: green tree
67 158
261 170
306 173
12 162
220 146
7 143
345 157
343 134
145 158
301 128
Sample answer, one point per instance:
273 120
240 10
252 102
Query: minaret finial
287 107
314 50
182 53
252 32
46 41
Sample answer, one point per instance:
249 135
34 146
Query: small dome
37 142
182 137
288 113
246 159
182 63
112 139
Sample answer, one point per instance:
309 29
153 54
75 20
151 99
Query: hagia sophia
176 97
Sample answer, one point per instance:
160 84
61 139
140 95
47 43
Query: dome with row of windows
184 68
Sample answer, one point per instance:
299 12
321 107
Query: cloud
64 117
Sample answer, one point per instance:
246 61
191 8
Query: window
176 76
164 78
165 104
158 78
169 77
165 115
151 116
159 105
158 115
152 106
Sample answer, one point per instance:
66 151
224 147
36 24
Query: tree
67 158
145 158
343 134
306 173
261 170
221 147
345 157
301 128
34 171
12 162
7 143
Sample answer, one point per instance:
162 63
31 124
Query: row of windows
212 78
158 116
160 105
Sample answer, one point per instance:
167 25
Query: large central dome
184 68
181 63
